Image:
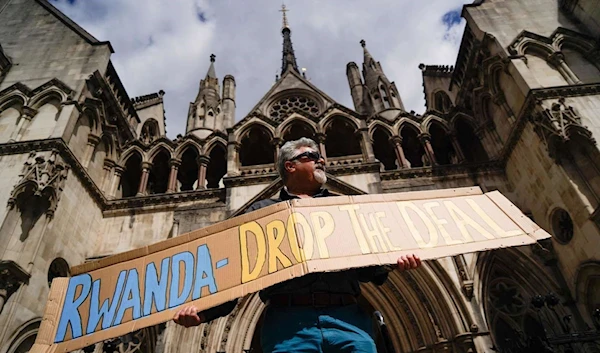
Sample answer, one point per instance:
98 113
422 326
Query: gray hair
288 151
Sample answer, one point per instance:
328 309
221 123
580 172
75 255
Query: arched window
43 122
298 129
383 149
130 180
158 180
256 147
384 96
584 69
442 102
469 142
9 117
413 148
441 144
150 131
83 127
96 165
58 268
341 140
545 74
217 167
187 174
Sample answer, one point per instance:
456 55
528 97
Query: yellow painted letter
440 223
373 235
433 236
384 231
275 235
261 250
306 252
360 237
490 222
324 225
462 220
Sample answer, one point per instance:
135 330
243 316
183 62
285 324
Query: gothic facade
88 172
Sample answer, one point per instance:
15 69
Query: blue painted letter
156 290
131 298
70 314
177 297
204 273
106 312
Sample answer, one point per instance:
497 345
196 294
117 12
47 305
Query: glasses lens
311 155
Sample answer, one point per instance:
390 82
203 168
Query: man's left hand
408 262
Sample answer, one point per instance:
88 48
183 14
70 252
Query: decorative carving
466 282
11 277
287 105
407 310
505 296
44 177
558 125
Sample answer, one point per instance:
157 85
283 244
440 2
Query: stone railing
259 169
344 160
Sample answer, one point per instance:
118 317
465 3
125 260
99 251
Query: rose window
288 105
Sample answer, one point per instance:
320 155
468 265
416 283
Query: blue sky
166 44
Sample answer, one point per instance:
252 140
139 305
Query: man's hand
188 317
408 262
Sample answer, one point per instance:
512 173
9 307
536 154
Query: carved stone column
146 166
558 60
116 181
321 141
107 168
276 143
203 163
93 141
396 141
367 147
425 139
233 158
24 121
172 185
12 276
460 156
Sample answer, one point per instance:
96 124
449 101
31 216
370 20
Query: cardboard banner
126 292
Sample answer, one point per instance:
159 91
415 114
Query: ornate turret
383 93
288 61
209 112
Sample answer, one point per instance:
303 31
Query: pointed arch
10 113
294 120
161 146
403 122
412 146
150 131
256 147
42 98
42 124
587 286
383 148
187 173
214 141
187 143
132 173
129 152
469 142
441 101
441 143
158 179
217 165
341 137
297 128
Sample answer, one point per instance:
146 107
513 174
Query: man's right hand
188 317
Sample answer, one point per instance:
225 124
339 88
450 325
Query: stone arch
102 151
412 146
10 113
508 281
341 137
540 68
187 173
84 126
217 165
15 97
129 152
132 174
587 286
25 336
256 146
410 303
158 148
383 148
150 131
158 179
59 267
296 127
385 96
42 98
42 124
441 143
441 101
189 143
468 141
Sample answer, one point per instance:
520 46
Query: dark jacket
344 282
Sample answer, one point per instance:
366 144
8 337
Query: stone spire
211 70
384 94
288 60
205 113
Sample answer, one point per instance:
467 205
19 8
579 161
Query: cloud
166 44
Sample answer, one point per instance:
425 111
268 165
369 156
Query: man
317 312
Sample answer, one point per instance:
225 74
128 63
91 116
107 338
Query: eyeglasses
310 155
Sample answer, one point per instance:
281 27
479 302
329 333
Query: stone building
88 172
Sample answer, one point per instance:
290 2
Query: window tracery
288 105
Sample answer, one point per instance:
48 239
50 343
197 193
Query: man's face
306 168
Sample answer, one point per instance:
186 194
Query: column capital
556 58
146 165
28 112
93 139
321 137
235 145
119 169
396 140
276 141
175 162
425 136
109 163
203 160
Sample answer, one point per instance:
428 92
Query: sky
166 44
